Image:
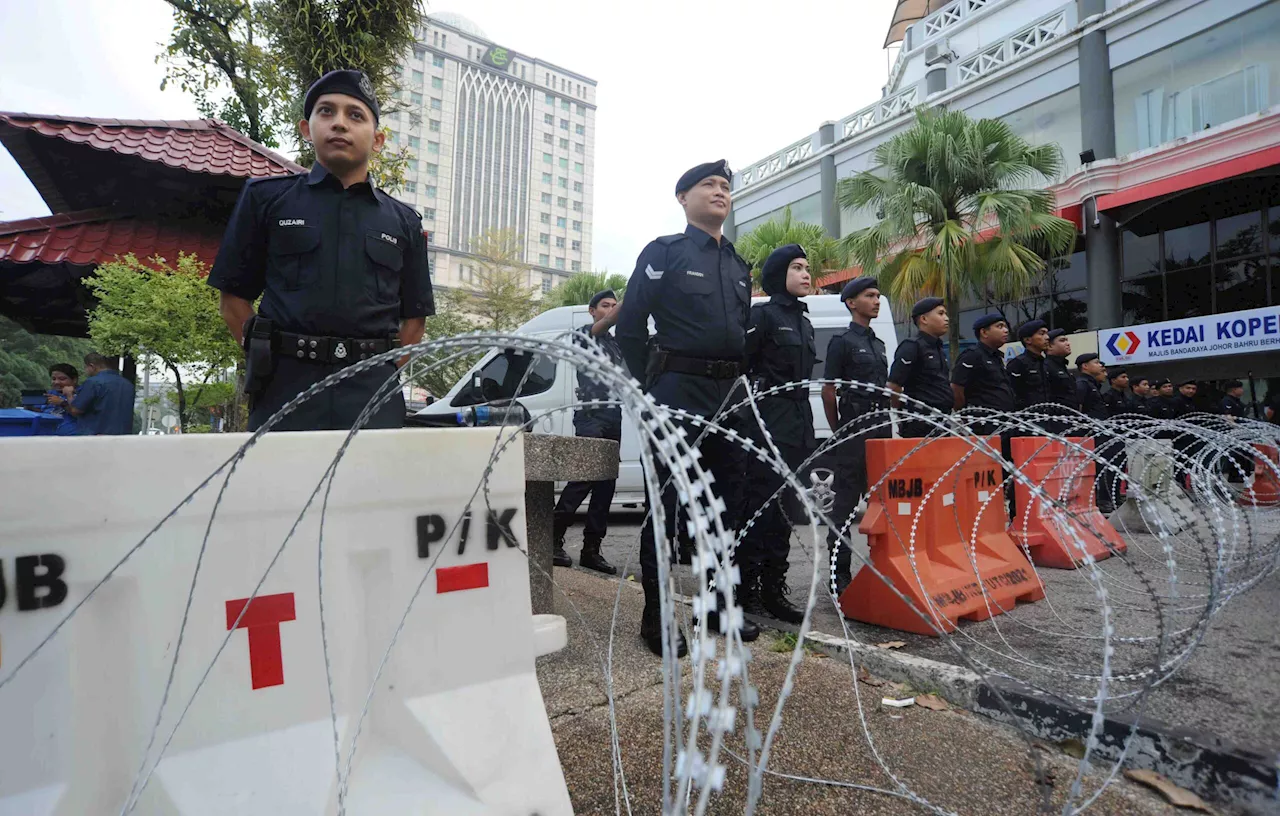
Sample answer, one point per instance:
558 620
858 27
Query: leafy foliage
579 288
503 296
450 320
824 253
167 311
958 217
25 359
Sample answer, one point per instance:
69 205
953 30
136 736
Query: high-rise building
500 140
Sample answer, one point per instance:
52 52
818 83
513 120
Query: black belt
339 350
700 366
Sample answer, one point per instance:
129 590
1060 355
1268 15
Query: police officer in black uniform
979 381
1028 371
698 290
1093 405
1232 407
1140 393
855 413
919 367
341 267
1162 405
780 350
1184 402
1118 399
1062 385
601 422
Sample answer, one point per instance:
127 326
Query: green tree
167 311
25 359
579 287
450 320
825 254
502 297
959 217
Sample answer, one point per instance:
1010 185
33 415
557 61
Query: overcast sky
679 82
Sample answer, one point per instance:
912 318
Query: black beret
1162 383
1030 327
599 296
773 275
351 83
1056 333
925 305
1081 359
1116 373
985 321
1186 382
856 286
1139 378
1233 384
697 174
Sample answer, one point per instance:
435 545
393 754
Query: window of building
559 263
432 169
577 186
433 125
414 141
549 118
433 147
1240 235
581 130
550 98
432 191
564 124
564 104
411 187
577 226
1186 247
564 163
559 243
548 138
579 148
444 40
419 51
561 201
580 109
547 284
1220 74
418 77
1055 120
560 221
435 103
468 52
577 167
577 206
546 178
545 218
437 82
428 213
546 198
415 98
564 144
544 260
562 181
546 158
576 266
437 61
544 238
577 246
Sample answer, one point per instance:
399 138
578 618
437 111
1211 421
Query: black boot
559 557
593 560
773 596
749 631
651 624
749 591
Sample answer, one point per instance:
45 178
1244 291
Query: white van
551 384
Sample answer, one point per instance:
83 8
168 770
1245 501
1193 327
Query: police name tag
390 239
695 274
293 222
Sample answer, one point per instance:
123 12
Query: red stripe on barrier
467 576
263 619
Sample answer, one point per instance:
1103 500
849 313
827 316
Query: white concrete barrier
456 723
1154 500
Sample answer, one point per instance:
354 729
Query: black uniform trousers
726 461
851 479
333 409
592 427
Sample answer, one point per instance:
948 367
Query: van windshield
499 378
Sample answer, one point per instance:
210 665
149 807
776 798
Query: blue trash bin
21 422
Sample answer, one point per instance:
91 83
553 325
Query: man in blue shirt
104 404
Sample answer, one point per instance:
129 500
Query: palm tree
958 211
824 252
579 287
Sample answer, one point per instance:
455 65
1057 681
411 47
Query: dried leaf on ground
866 678
1072 748
892 644
932 702
1179 797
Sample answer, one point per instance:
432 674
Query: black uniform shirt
1062 386
780 350
920 367
1089 396
589 388
1159 407
699 293
858 355
328 261
1118 402
1030 379
1232 406
1182 406
1135 404
980 371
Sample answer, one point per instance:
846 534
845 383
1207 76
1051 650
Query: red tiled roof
91 237
198 146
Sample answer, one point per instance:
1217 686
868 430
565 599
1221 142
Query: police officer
919 367
1231 404
1062 386
595 423
1161 404
1118 399
780 350
1028 371
698 291
341 267
1238 464
1140 393
859 356
1184 401
1089 396
979 381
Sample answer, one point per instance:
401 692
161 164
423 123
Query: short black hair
65 368
93 358
1230 384
1139 379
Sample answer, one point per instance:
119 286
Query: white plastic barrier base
1155 502
456 723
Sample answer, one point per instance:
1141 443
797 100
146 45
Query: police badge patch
366 87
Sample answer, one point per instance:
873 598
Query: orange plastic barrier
1266 489
943 583
1068 477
